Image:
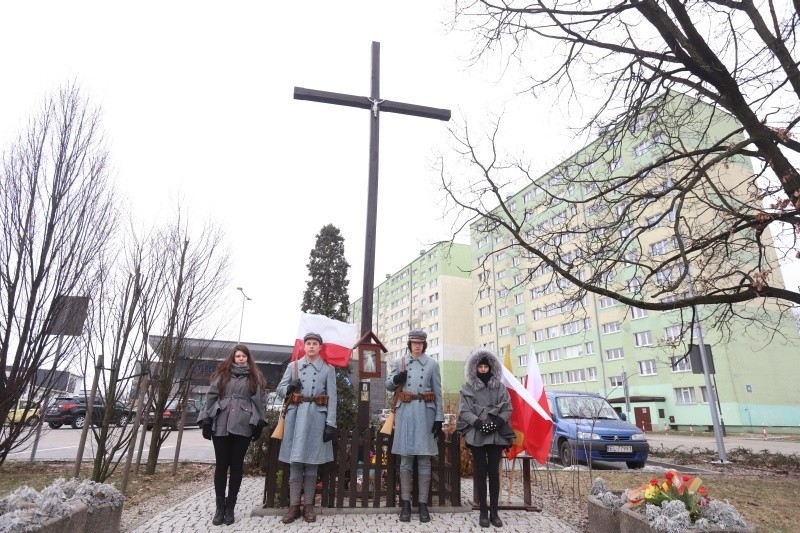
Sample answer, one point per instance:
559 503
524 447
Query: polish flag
530 417
338 338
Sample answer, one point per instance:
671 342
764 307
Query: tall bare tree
56 216
195 272
683 97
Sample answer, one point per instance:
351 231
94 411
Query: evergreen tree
326 294
326 291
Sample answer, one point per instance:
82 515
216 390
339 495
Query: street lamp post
245 298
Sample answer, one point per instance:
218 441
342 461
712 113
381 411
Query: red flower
686 478
654 481
702 491
669 474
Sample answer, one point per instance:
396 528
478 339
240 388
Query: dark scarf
484 377
240 371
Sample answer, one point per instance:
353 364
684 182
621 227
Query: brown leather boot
308 513
292 514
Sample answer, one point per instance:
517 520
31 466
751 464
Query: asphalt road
62 444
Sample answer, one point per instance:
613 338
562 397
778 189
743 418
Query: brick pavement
194 515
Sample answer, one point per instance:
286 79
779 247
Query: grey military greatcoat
479 401
235 410
413 420
305 422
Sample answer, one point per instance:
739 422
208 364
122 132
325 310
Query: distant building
201 356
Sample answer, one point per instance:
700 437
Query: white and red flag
530 417
338 338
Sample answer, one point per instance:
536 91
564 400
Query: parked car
172 415
274 403
586 427
72 410
24 413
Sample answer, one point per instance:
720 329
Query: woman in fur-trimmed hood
484 411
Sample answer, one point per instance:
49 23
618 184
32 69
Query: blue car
586 428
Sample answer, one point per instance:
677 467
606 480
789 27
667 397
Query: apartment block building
594 343
432 292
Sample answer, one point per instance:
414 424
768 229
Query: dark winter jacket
485 402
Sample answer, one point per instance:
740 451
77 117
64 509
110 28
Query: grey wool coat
479 400
305 423
413 420
234 410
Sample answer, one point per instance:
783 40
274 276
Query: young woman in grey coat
418 419
310 387
484 409
233 415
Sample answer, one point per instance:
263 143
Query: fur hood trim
471 369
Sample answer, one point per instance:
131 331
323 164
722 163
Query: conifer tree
326 294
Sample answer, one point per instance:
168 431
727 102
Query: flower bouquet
681 502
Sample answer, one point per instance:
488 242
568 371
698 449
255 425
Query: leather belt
296 399
427 396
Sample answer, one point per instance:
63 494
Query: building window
518 299
501 274
704 393
615 381
523 360
503 311
660 247
521 340
554 355
485 310
502 293
614 353
575 376
541 357
505 330
520 319
636 312
591 374
647 368
434 342
486 328
684 395
643 338
433 297
515 261
589 347
672 333
680 364
538 335
484 293
635 285
556 378
573 351
552 332
606 302
611 327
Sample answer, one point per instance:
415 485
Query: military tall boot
293 512
220 512
424 490
406 478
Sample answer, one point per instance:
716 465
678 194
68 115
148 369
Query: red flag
530 417
338 338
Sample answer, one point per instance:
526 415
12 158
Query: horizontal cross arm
390 106
326 97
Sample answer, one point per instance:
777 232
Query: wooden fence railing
364 473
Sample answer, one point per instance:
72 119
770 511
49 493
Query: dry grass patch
15 474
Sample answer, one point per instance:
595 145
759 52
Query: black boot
230 503
494 518
424 515
218 515
405 510
483 520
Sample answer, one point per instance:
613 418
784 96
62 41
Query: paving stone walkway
194 515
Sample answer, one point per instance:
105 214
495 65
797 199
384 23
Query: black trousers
229 451
487 463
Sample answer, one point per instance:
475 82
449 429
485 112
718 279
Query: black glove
205 424
328 433
294 386
436 429
478 424
400 377
489 426
257 430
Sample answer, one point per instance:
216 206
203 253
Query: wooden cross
375 105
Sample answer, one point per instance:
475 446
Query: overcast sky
197 105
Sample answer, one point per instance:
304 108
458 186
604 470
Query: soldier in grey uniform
418 419
309 384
